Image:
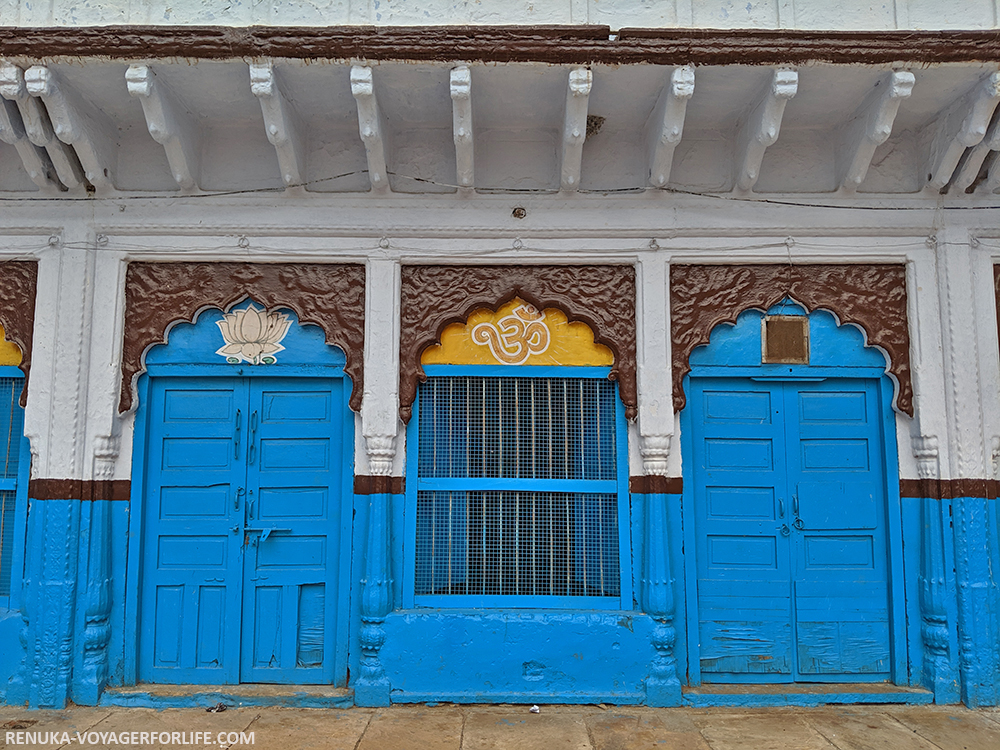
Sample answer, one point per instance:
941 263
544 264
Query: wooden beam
282 123
77 123
38 126
870 127
35 159
574 127
666 124
973 162
461 109
170 124
373 131
761 126
962 126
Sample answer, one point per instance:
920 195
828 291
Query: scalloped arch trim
872 297
157 295
434 297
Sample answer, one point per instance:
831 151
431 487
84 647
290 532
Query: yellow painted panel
517 334
10 354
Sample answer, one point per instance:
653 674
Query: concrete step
804 694
233 696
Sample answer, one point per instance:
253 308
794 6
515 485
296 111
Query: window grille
517 488
11 430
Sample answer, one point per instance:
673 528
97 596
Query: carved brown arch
870 296
433 297
18 288
157 295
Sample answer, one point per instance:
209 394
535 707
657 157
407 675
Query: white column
380 407
656 412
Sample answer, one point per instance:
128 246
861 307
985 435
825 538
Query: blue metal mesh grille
538 428
517 544
11 430
480 538
6 539
11 426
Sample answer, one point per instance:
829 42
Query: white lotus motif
253 335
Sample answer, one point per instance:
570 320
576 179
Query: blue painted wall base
523 656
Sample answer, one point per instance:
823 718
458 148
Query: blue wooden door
790 528
242 528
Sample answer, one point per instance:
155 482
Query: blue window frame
517 490
14 468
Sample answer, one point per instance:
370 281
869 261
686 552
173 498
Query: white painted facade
715 14
392 162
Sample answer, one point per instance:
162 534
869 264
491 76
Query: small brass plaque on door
785 339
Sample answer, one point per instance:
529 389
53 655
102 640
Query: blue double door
242 553
791 545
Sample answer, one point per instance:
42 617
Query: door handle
236 441
236 502
251 448
785 531
798 524
795 504
266 532
781 507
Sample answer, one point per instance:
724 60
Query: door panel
291 586
744 595
790 529
839 544
242 532
192 559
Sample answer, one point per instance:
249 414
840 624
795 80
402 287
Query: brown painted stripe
948 489
80 489
549 44
370 485
653 484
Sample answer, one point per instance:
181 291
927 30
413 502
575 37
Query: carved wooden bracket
160 294
433 297
870 296
18 285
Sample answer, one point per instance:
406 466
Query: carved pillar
663 688
55 421
379 420
938 673
48 607
372 687
95 559
958 280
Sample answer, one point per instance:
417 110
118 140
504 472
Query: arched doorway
242 461
791 504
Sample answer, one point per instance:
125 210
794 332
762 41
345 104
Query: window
11 471
517 497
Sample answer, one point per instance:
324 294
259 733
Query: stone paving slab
516 727
775 730
414 728
952 728
450 727
850 729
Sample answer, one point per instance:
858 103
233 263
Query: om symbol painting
518 334
252 335
514 337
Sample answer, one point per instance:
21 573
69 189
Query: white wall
721 14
